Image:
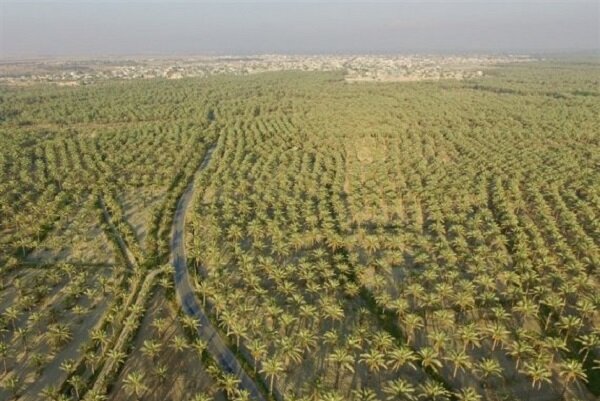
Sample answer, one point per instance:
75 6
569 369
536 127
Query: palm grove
426 240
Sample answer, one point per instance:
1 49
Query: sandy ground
186 375
20 364
76 239
137 209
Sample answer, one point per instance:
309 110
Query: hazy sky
46 27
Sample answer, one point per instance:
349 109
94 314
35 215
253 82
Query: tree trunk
564 390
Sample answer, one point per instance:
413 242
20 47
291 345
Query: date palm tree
150 349
117 356
430 359
588 342
438 340
469 336
526 309
95 395
241 395
460 360
206 290
229 383
374 360
498 333
401 356
556 303
332 396
161 325
306 339
332 310
364 394
68 366
488 368
258 351
238 330
271 369
554 344
570 325
77 383
161 371
202 397
134 385
179 343
467 394
382 341
570 371
330 338
13 385
189 322
11 315
289 351
199 345
519 350
538 372
101 337
400 390
586 309
92 359
433 390
412 323
50 393
37 360
343 360
307 313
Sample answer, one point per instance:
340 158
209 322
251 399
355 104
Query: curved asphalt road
190 303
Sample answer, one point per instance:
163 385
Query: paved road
190 303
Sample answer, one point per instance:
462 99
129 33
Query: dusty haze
90 28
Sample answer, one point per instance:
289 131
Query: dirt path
129 257
190 303
130 324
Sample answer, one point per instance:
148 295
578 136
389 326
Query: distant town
357 68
